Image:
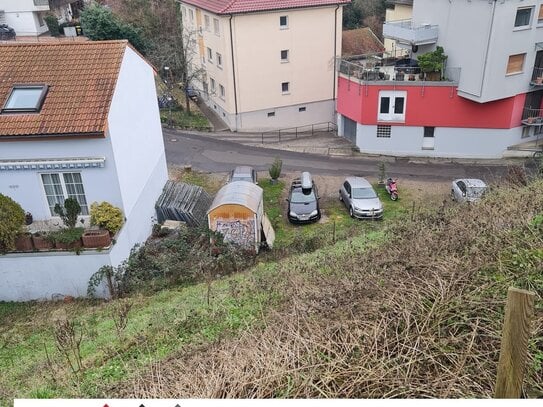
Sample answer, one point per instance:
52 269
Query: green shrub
275 169
12 218
106 216
69 212
433 61
52 25
66 236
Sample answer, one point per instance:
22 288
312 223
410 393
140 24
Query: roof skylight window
25 99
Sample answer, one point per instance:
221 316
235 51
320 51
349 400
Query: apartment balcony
405 32
532 117
374 69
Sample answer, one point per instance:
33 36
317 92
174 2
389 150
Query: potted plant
67 239
12 218
23 243
400 76
411 76
275 170
96 238
106 216
41 241
432 64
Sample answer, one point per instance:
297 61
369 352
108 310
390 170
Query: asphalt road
204 153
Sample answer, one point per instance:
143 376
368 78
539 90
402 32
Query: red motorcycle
392 188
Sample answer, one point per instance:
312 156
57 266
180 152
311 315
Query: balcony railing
405 31
532 117
40 3
375 68
537 77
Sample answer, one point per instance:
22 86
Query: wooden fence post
519 311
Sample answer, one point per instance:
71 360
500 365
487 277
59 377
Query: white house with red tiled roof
269 64
77 120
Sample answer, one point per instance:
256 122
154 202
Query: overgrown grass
181 119
158 326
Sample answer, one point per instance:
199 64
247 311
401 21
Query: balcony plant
69 212
52 24
432 64
12 218
106 216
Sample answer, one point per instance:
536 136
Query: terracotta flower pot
23 243
96 238
41 243
68 246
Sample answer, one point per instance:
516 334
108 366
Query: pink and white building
488 102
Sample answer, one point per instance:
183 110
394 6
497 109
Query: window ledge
283 27
522 28
285 61
514 73
286 93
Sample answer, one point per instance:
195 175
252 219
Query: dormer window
25 99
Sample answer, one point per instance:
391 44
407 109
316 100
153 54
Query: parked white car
468 189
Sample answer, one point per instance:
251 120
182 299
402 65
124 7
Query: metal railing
367 70
537 77
532 116
292 133
41 2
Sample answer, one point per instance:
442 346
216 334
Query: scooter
392 188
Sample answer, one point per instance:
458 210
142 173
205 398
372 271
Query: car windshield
302 197
363 193
475 192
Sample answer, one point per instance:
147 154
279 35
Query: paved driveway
205 153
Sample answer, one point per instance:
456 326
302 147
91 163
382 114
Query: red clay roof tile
81 77
246 6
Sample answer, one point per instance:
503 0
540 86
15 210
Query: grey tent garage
237 212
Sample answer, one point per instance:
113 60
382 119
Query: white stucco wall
479 36
25 23
448 142
26 188
135 130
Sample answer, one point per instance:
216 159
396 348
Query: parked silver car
467 189
243 173
360 198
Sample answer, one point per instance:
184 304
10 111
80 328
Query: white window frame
216 27
219 60
526 26
191 15
285 26
64 190
222 92
213 85
391 115
207 22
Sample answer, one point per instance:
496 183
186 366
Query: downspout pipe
233 70
335 52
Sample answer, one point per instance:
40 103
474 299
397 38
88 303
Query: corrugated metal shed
242 193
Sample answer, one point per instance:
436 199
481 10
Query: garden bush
106 216
12 218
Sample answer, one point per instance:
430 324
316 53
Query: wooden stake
514 346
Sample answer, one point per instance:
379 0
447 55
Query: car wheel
340 197
452 195
351 212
